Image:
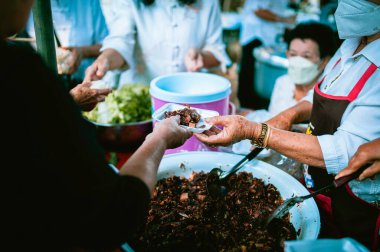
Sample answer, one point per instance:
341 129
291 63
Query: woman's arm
272 17
300 112
144 162
300 147
90 51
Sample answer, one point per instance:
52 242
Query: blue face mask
357 18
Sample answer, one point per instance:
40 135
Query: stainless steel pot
122 137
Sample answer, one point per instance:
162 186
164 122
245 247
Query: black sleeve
64 176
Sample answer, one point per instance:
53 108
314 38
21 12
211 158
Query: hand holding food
74 59
192 119
98 69
62 60
366 153
194 60
170 132
235 129
86 97
188 117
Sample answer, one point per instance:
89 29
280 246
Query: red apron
342 213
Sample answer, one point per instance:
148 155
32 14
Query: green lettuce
130 103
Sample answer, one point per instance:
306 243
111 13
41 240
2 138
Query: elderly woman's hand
235 129
86 97
170 132
366 153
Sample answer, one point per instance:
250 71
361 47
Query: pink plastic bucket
200 90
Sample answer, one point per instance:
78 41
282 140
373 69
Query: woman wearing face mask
310 47
344 113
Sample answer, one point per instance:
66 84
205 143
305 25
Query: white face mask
301 70
357 18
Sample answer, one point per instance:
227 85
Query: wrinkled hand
75 58
97 70
194 60
86 97
170 131
366 153
235 129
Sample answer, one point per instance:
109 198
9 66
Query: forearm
114 58
267 15
90 51
209 60
300 112
300 147
145 161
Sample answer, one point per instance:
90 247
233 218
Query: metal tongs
289 203
217 188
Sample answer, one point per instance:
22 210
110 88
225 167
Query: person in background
262 24
344 113
80 29
58 191
366 153
153 38
310 47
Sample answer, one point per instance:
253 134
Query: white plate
158 115
304 217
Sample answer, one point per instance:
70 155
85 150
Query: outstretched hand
88 98
235 129
170 132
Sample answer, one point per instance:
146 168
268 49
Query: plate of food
191 118
183 216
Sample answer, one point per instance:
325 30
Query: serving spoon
285 207
217 188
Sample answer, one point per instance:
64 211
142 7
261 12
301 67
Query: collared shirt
77 23
254 27
154 39
361 120
282 96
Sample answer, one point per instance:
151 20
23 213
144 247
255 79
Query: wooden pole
43 24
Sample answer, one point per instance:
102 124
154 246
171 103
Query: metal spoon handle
241 163
326 188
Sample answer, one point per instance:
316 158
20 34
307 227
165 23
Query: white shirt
77 23
154 39
361 120
254 27
282 96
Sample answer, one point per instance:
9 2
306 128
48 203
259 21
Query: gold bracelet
267 136
259 142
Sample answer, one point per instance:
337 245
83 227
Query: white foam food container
201 126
